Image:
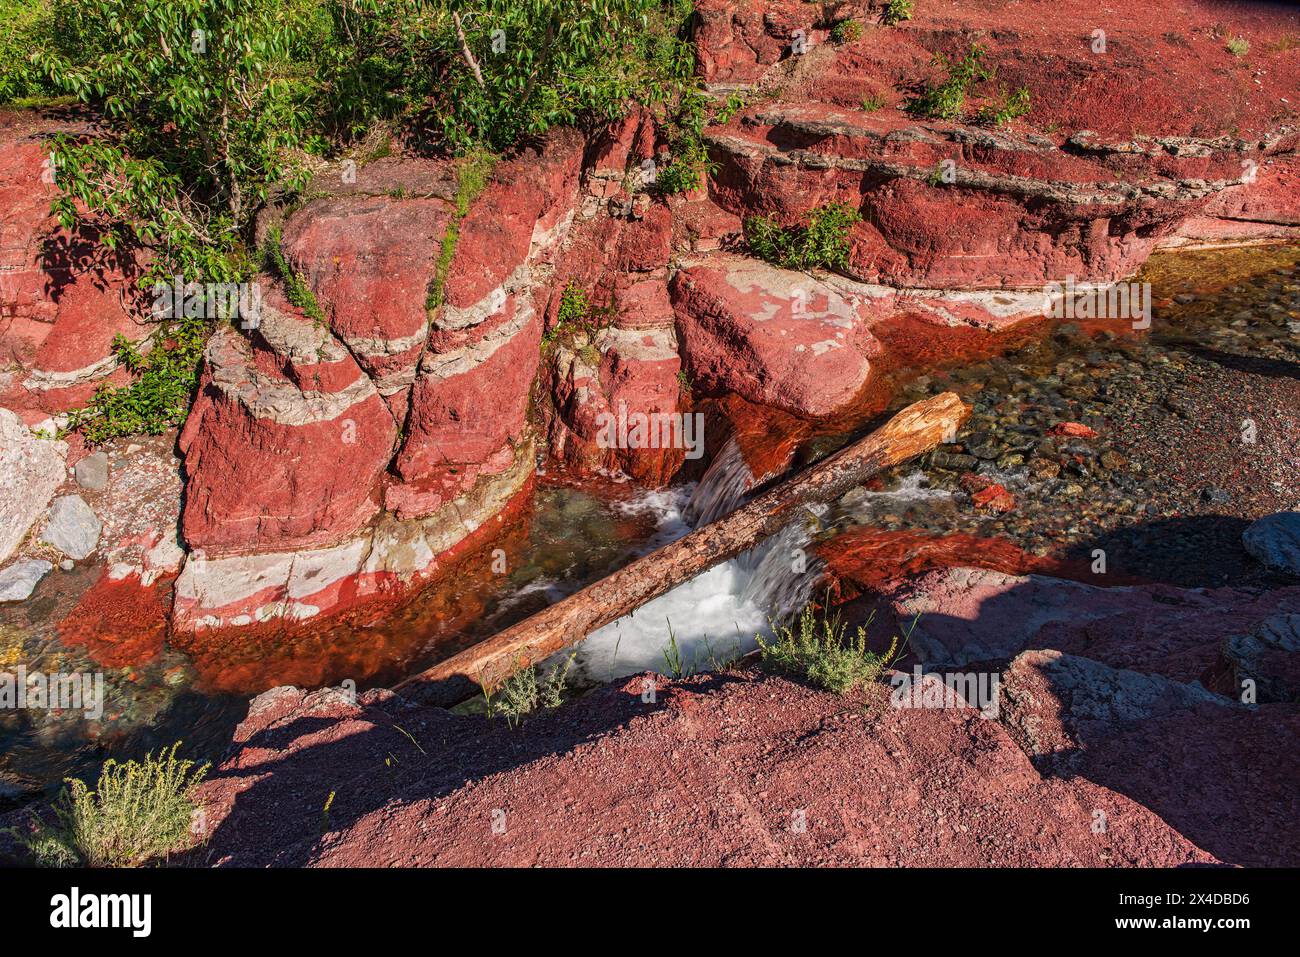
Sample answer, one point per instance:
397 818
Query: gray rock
1267 658
19 580
73 528
92 472
30 470
1274 540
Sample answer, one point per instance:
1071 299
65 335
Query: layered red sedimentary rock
64 296
278 412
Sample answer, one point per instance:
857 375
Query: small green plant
684 383
325 814
1238 46
689 164
158 397
896 11
846 31
674 660
1006 109
872 102
735 102
575 306
139 811
947 100
523 692
821 652
822 243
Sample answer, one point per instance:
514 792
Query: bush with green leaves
29 26
1006 108
161 389
139 811
821 652
947 100
896 11
846 31
203 107
821 243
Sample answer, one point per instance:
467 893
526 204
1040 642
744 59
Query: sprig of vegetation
1006 108
822 243
296 288
896 11
846 31
821 652
1238 46
162 387
139 811
523 692
872 102
947 100
473 171
689 163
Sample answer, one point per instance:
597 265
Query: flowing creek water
1198 423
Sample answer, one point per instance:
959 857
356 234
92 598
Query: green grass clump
872 102
139 811
523 692
846 31
947 100
1238 46
822 243
1006 109
473 172
821 652
296 289
896 11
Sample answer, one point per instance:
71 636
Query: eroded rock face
1057 702
30 470
371 261
331 463
286 442
388 557
1113 160
63 296
1264 665
806 343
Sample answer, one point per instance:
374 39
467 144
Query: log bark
913 431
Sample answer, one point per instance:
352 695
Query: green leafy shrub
821 652
162 386
28 27
139 811
689 162
846 31
896 11
822 243
202 109
947 100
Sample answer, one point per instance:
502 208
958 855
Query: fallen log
915 430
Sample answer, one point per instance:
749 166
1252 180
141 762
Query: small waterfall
725 483
718 614
782 575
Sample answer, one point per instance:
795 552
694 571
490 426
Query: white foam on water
713 618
